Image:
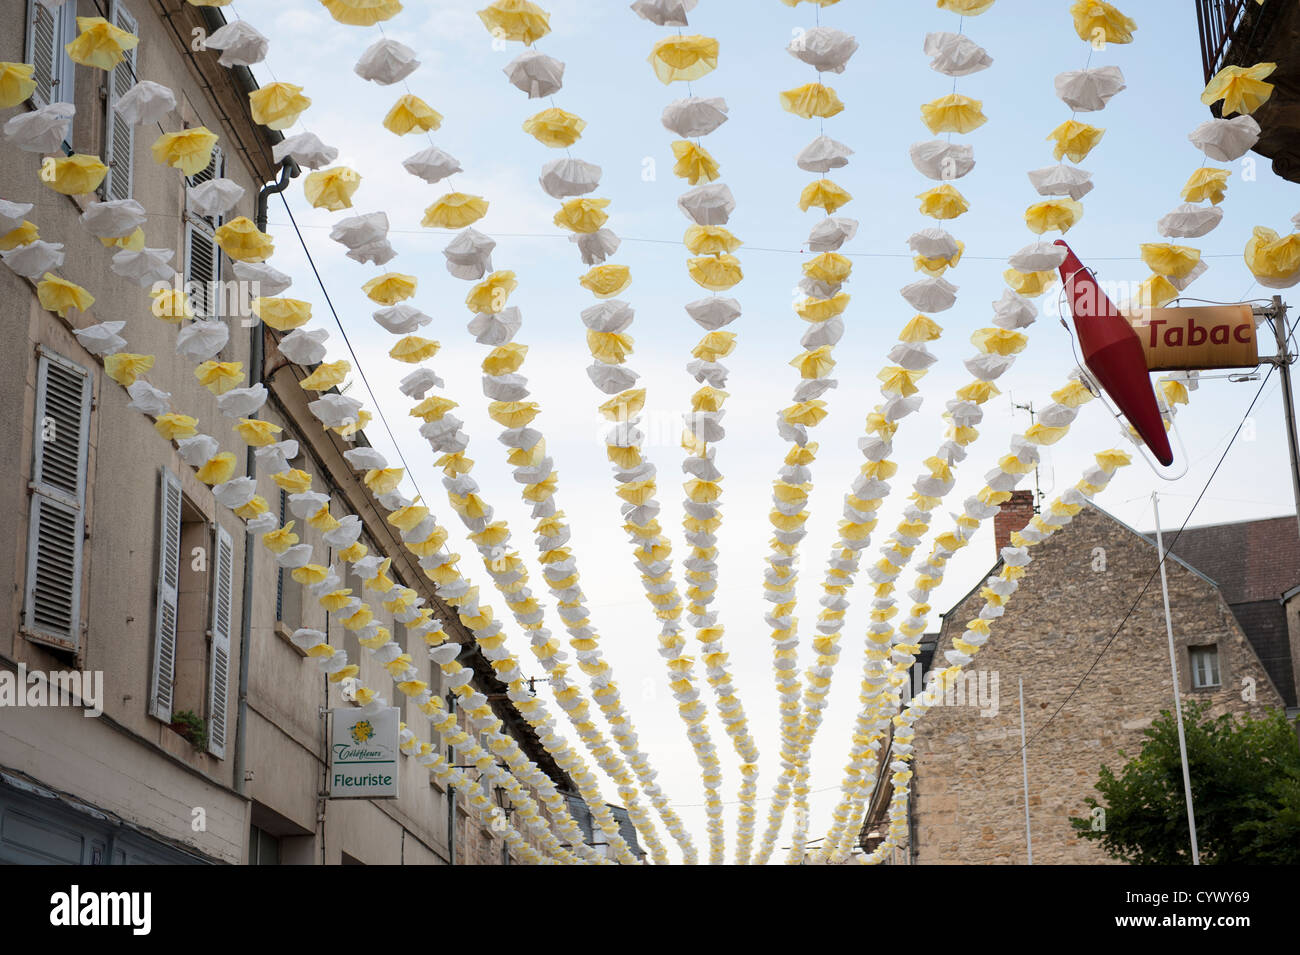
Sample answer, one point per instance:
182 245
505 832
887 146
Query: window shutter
52 602
169 560
223 584
202 255
119 135
44 50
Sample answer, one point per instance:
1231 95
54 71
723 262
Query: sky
1139 169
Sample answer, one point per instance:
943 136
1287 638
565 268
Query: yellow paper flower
242 241
412 114
694 164
281 539
620 408
59 295
1272 257
606 281
1165 258
821 309
16 83
134 241
812 100
937 265
390 288
331 189
899 382
383 480
953 113
1174 392
965 8
920 328
100 44
220 376
582 215
189 150
824 194
1057 214
278 105
353 553
943 202
293 481
807 413
413 349
257 433
1207 183
491 294
683 57
710 240
174 426
715 345
217 469
282 314
518 20
814 364
455 210
505 359
1074 139
717 273
555 128
362 13
513 414
1242 88
999 341
432 408
171 305
1072 395
73 175
829 267
255 506
328 374
25 234
1028 284
1100 23
126 367
612 348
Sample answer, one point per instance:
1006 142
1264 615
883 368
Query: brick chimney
1015 514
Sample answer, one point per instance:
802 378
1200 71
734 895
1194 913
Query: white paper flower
1040 256
145 103
713 312
933 243
334 410
1061 180
469 255
12 214
198 449
41 130
611 379
148 399
240 42
242 402
356 231
831 233
937 159
386 62
379 252
825 49
236 492
595 247
113 219
304 346
536 74
695 116
418 382
101 338
1189 220
269 281
274 458
1013 311
562 178
495 328
1089 90
664 13
1226 139
822 155
144 267
930 295
955 54
306 149
401 319
432 165
199 341
215 197
34 259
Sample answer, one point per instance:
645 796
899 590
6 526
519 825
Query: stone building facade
968 803
127 786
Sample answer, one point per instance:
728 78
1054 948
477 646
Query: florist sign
363 754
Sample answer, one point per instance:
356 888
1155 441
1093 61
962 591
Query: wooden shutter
119 135
202 255
55 536
163 674
223 586
45 51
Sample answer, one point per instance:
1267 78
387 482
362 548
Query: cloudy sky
1138 169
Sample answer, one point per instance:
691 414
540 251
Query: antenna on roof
1029 406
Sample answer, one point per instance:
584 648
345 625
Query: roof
1248 560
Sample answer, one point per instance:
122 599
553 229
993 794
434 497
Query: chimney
1015 514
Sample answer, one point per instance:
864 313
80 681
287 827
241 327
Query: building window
193 616
263 848
55 535
288 592
48 32
1205 666
202 254
119 135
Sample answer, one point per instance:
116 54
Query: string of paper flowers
245 246
714 267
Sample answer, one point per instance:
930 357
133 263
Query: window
263 848
119 135
55 534
1205 666
47 33
399 698
202 255
288 592
193 615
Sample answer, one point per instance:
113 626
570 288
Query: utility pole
1282 361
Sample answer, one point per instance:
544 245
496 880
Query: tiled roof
1249 560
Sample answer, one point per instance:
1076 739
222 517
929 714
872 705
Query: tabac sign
1196 337
363 754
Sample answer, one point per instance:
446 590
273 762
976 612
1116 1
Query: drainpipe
451 792
287 171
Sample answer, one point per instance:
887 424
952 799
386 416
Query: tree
1245 791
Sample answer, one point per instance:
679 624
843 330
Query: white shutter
45 50
119 135
223 584
169 567
52 601
202 254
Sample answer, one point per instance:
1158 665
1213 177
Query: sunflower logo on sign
362 731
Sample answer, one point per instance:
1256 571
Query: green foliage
1245 791
193 727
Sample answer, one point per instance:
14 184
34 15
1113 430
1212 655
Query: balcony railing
1218 21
